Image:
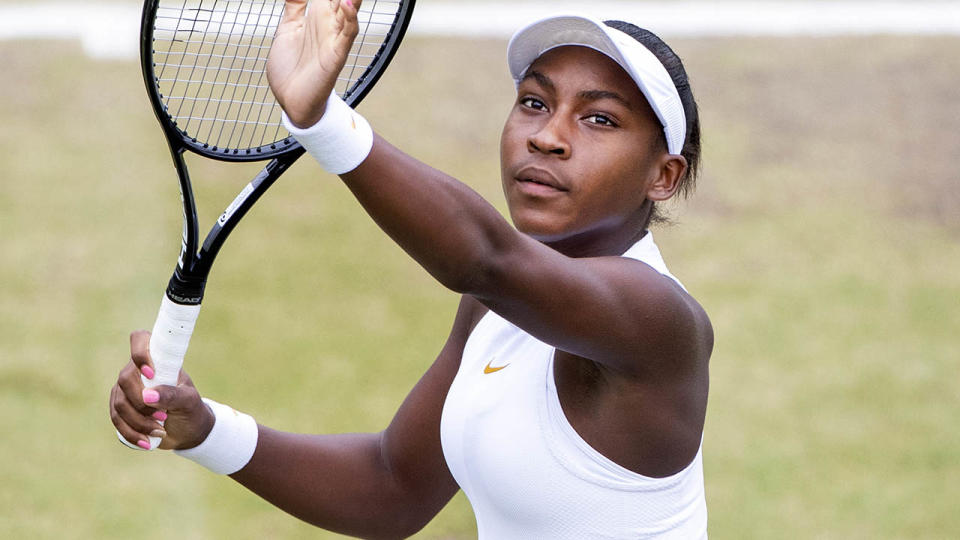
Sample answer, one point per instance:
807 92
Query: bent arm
608 309
372 485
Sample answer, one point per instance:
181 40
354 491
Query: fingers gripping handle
168 345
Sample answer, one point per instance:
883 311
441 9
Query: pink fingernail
150 395
160 415
143 444
348 3
147 372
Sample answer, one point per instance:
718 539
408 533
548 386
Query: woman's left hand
308 52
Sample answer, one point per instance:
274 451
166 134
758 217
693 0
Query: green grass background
823 241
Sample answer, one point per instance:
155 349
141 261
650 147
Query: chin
541 229
541 221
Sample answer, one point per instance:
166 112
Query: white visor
643 67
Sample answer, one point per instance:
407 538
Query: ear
670 170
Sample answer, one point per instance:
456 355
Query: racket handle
168 345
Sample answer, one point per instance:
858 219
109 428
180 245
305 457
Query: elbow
478 270
458 278
386 522
409 509
474 258
479 274
403 521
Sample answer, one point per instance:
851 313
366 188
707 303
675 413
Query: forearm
338 482
444 225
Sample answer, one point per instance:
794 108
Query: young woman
569 399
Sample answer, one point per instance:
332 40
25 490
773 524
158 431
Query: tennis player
569 399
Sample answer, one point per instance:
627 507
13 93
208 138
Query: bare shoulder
645 408
673 328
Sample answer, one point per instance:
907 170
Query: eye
533 103
601 120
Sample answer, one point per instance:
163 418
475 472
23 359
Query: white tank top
526 471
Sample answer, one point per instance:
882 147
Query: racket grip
168 345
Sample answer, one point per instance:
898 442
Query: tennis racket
203 64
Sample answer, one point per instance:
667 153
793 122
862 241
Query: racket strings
210 59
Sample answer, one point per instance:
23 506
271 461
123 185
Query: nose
550 139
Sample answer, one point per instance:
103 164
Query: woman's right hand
137 412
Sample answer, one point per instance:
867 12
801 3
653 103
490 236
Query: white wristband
339 141
230 444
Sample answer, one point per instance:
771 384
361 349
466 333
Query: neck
585 245
612 240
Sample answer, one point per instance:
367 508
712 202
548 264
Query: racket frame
187 283
181 303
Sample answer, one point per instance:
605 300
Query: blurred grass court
824 241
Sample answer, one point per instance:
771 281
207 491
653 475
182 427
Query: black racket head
204 65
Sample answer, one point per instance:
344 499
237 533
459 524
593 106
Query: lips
539 180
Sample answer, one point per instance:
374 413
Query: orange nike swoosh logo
489 369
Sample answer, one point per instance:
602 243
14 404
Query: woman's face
580 149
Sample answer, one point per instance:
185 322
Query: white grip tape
339 141
169 341
230 444
168 345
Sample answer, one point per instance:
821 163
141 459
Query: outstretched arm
611 310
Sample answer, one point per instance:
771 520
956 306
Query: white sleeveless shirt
526 471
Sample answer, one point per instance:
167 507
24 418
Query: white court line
110 30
